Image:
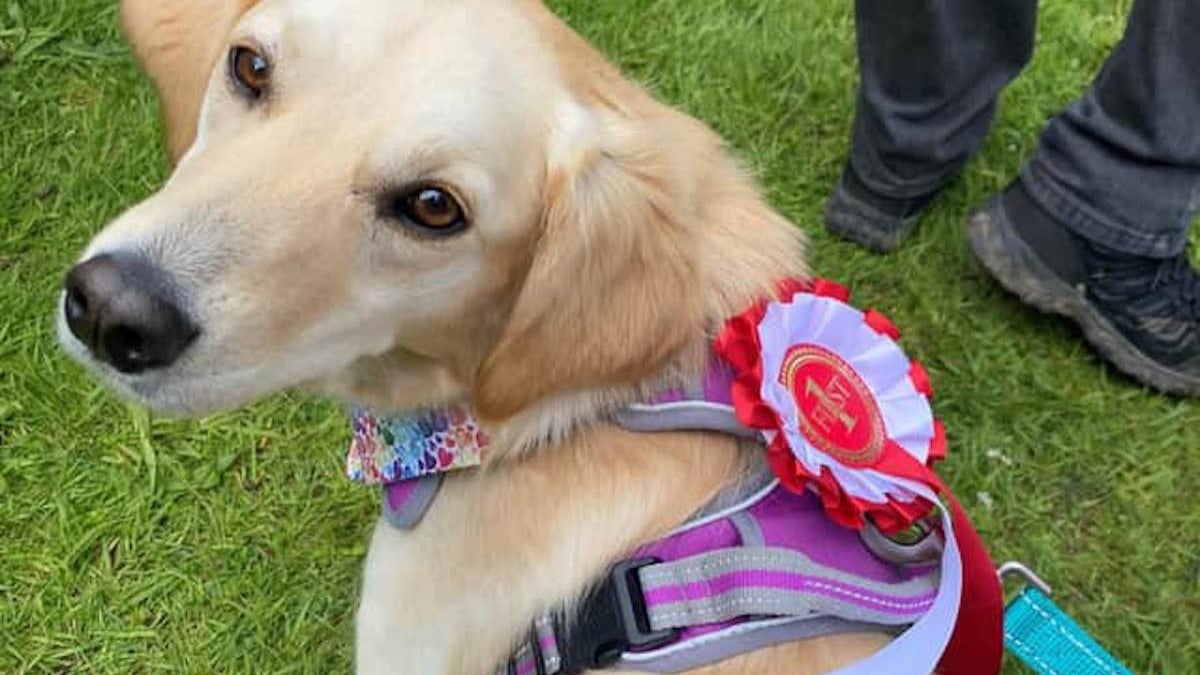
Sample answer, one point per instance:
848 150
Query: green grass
130 544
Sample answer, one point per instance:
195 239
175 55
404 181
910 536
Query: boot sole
1018 269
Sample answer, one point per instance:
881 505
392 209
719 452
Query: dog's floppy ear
611 291
178 43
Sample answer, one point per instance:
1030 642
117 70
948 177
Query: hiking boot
1142 314
871 220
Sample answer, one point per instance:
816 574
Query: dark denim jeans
1120 166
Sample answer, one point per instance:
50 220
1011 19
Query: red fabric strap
976 646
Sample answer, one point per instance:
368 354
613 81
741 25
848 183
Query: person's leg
1121 166
1096 227
931 71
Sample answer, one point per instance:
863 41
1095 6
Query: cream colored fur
610 238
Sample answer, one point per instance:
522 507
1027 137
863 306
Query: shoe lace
1171 279
1177 277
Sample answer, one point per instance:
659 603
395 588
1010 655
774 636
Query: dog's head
409 202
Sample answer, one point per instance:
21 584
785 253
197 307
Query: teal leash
1044 638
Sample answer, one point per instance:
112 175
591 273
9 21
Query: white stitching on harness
1071 638
1028 651
694 574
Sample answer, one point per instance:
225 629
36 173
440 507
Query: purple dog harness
758 566
761 565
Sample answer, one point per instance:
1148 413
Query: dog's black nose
122 308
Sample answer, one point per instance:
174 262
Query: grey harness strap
792 585
678 415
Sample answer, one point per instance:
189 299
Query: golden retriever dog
405 203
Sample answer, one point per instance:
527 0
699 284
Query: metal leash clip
1014 569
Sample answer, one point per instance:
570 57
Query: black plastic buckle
611 621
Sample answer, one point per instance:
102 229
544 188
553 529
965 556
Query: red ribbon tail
977 644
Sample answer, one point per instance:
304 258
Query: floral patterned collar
413 445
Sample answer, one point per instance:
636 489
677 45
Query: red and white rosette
844 411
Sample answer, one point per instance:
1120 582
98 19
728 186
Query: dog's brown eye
428 208
434 208
250 71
